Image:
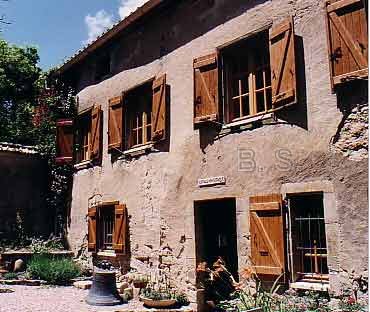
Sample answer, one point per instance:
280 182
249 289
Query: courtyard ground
56 299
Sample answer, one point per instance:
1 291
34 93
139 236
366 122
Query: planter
140 284
166 303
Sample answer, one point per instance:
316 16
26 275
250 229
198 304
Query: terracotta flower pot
166 303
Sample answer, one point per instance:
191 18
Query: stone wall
310 142
23 183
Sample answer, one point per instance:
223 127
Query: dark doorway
215 233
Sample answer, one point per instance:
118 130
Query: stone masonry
322 141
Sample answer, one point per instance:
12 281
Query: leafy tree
19 87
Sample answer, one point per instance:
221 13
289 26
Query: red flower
351 300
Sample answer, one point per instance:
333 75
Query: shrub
54 271
182 299
10 276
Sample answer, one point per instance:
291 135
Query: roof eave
107 36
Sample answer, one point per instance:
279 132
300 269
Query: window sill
83 165
109 253
311 286
247 120
139 150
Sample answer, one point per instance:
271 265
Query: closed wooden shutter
267 234
283 64
159 109
96 133
347 40
206 89
115 124
120 229
64 141
91 219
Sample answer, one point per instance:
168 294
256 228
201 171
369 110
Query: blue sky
59 28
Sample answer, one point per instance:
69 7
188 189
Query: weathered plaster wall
160 188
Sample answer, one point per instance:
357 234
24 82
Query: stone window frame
331 227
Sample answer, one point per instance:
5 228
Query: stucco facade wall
159 189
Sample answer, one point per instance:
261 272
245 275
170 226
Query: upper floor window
102 67
80 140
139 115
143 119
247 83
249 78
83 137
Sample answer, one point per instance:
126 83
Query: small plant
10 276
153 294
54 271
182 299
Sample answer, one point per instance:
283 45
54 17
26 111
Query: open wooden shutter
283 64
347 40
267 234
120 228
96 133
159 109
115 124
206 89
64 141
91 219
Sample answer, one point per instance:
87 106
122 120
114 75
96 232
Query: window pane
140 136
268 77
236 109
259 79
269 98
245 105
149 133
260 98
244 85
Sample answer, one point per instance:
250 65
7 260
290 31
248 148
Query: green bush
10 276
54 271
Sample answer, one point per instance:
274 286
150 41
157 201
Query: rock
83 284
19 265
128 293
122 286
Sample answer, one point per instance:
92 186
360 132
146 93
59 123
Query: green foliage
54 271
28 114
155 294
40 246
182 299
10 276
19 74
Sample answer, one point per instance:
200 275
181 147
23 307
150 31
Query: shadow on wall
161 33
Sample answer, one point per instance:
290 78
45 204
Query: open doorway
215 233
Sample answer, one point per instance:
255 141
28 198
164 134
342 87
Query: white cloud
128 6
97 24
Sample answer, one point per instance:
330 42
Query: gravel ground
54 299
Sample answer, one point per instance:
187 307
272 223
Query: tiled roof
109 34
18 148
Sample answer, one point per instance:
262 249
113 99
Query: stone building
224 128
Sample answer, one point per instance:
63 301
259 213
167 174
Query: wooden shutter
120 228
347 40
64 141
115 124
283 64
206 89
96 133
267 234
159 109
91 219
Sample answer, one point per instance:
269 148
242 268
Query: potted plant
161 298
140 280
